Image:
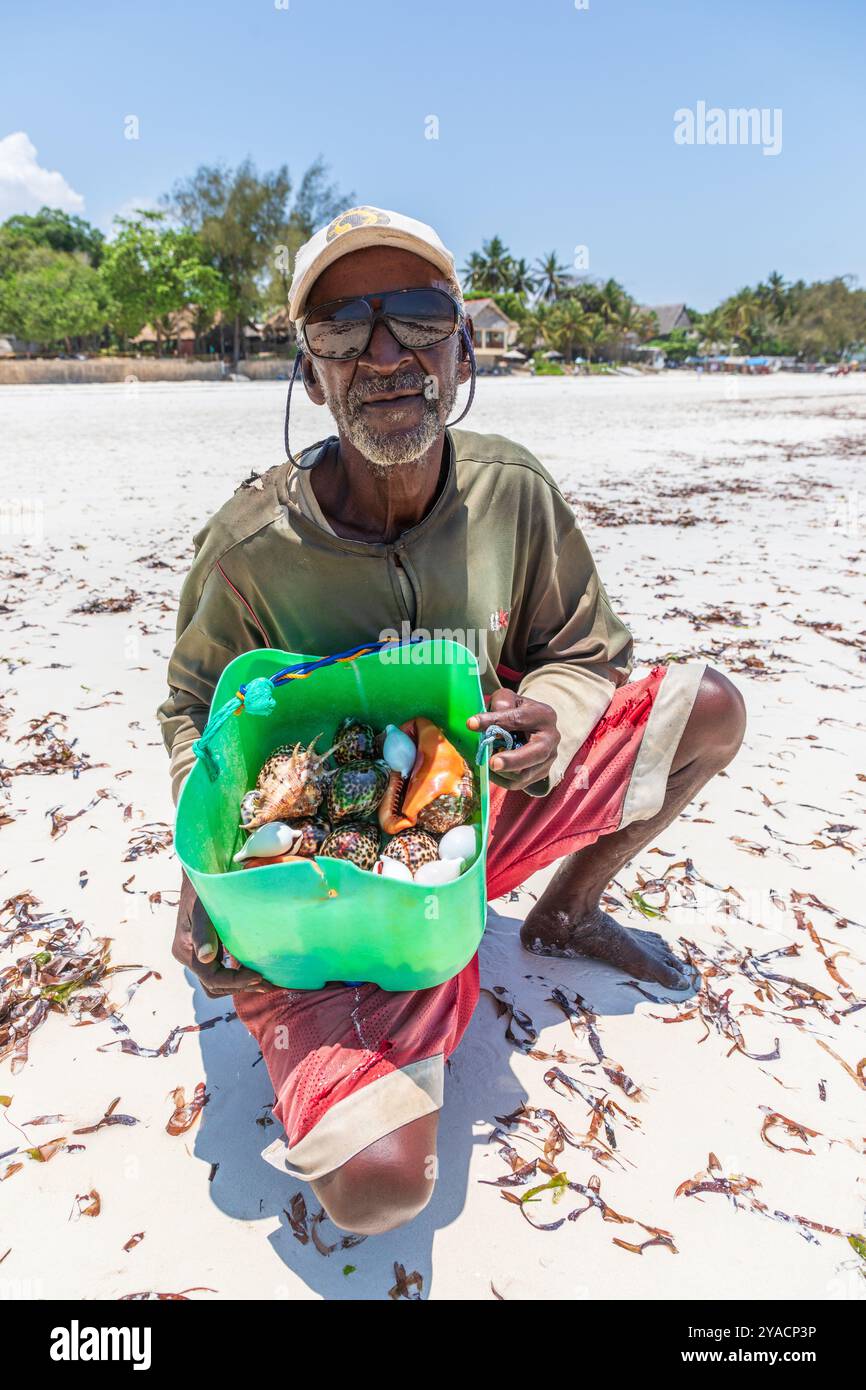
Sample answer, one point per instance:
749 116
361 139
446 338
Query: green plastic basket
301 925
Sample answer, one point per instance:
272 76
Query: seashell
356 790
440 871
450 809
289 858
268 841
392 868
440 791
460 843
290 784
356 840
312 833
413 848
398 750
352 741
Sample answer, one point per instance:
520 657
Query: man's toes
649 938
666 970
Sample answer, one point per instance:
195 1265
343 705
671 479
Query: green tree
570 327
490 270
239 216
52 297
151 271
630 321
316 202
534 327
713 331
553 278
829 320
522 280
58 230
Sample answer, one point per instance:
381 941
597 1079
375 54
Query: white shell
392 868
459 843
439 871
398 750
268 841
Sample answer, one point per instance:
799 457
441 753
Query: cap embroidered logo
356 217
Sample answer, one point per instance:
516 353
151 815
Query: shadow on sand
480 1084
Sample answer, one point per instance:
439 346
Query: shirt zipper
398 564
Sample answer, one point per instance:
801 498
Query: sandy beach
719 1141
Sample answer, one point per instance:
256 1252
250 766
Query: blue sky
555 123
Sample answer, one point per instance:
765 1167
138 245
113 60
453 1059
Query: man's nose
384 354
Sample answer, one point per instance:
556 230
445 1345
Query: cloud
25 186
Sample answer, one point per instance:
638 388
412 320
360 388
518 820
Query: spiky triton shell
314 831
412 848
355 791
353 740
290 785
356 840
449 809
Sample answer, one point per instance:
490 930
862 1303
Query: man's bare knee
387 1184
718 720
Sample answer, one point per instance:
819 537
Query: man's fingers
535 753
217 980
518 718
205 942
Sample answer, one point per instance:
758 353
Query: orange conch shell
438 770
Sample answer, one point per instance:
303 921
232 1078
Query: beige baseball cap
354 229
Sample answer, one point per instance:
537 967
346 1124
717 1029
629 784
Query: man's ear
312 385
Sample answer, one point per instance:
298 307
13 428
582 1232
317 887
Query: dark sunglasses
342 328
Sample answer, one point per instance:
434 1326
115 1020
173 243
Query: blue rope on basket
257 696
493 740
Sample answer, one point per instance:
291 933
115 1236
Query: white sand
117 473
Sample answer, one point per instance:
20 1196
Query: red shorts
351 1063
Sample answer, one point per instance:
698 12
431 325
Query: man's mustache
397 381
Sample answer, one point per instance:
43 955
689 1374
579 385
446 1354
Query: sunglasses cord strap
292 379
470 352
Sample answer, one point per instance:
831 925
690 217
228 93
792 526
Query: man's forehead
374 268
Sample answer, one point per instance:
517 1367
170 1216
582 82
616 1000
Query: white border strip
668 718
361 1118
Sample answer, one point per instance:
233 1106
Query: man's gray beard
384 451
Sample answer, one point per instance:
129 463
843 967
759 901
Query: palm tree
613 300
533 327
713 330
598 332
632 320
777 294
744 315
498 262
473 274
553 277
490 270
569 327
522 280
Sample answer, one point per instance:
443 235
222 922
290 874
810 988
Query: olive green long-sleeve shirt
498 563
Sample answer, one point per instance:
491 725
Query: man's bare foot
643 954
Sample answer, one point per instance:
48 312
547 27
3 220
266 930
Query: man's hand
535 721
196 945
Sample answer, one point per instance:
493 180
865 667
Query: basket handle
257 696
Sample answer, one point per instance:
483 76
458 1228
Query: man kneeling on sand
401 518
